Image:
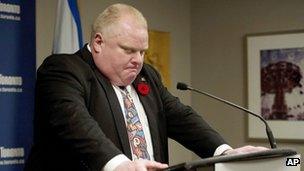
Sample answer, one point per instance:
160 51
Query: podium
269 160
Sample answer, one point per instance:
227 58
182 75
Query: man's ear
97 43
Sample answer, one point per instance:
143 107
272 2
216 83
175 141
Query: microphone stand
183 86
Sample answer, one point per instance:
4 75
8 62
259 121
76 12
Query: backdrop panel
17 78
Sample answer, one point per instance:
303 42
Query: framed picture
276 84
158 54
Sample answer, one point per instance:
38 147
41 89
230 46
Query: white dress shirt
141 114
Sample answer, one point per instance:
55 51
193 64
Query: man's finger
154 165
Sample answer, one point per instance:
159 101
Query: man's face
122 52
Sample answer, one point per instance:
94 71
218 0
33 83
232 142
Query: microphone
273 144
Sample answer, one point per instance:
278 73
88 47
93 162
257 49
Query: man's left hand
245 149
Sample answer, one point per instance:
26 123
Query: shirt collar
89 48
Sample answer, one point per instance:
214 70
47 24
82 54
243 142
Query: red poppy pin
143 88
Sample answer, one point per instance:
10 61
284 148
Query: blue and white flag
68 34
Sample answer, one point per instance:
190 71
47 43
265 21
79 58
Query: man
103 109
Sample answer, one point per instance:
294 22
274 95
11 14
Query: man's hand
245 149
140 165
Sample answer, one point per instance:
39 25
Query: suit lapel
147 101
117 113
113 103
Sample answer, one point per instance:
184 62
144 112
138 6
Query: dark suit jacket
79 124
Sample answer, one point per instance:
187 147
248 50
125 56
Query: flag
68 34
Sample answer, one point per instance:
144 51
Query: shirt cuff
114 162
221 149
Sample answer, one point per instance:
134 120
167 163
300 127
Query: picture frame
158 54
275 81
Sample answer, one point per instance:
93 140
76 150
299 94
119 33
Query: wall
218 63
161 15
214 62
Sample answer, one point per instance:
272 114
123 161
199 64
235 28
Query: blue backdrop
17 78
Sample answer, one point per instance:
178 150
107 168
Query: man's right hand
140 165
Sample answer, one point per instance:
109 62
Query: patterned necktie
134 128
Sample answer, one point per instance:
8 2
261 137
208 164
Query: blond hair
112 14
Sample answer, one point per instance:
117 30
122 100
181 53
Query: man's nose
137 57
